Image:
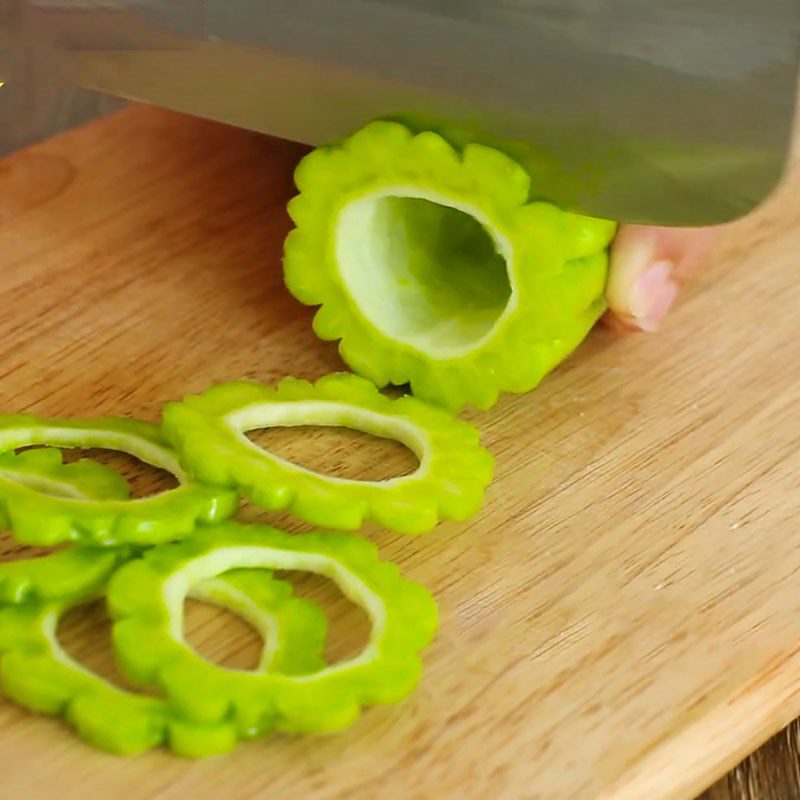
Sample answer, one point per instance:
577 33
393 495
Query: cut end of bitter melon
434 266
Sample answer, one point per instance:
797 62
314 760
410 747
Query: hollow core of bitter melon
424 271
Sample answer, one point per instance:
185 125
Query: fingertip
648 266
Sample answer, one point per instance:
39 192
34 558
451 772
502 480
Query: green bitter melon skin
207 431
38 674
145 598
37 517
69 572
556 263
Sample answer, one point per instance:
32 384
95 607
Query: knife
678 112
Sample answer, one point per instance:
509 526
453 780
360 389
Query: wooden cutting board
621 621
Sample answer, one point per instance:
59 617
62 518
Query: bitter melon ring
145 598
208 431
437 266
37 673
66 572
39 518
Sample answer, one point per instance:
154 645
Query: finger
649 264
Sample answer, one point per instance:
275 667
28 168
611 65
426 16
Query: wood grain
622 619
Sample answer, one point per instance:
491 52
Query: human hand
649 265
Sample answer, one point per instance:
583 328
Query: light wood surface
622 620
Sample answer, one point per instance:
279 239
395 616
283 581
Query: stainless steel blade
677 112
